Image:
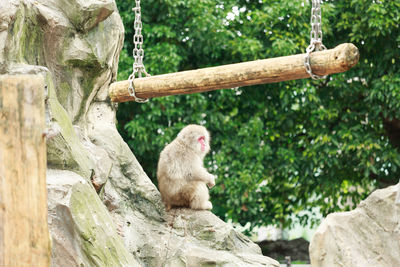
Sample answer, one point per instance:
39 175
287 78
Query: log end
346 55
118 91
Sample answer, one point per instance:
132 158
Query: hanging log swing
316 64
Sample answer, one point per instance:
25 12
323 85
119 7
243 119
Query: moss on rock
91 236
100 241
74 155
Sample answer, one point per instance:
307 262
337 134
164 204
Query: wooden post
272 70
24 234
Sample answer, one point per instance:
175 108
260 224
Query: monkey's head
196 137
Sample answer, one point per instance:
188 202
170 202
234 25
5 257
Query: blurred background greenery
278 149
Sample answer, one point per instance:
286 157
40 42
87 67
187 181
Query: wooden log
24 234
272 70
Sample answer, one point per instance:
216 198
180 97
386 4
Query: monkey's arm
200 173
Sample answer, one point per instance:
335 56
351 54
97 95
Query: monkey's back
172 173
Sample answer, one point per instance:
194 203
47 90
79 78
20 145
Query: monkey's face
202 143
196 137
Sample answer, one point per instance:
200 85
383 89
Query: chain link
138 54
315 37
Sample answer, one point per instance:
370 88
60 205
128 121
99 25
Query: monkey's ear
181 133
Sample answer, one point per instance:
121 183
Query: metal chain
315 36
138 54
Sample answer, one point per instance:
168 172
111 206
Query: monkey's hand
211 183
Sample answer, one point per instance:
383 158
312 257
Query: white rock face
368 236
81 236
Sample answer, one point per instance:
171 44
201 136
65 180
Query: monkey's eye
201 139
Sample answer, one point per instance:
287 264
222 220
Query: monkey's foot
201 206
208 205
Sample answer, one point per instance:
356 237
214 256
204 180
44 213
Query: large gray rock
82 230
75 45
368 236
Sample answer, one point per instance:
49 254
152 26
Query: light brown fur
182 179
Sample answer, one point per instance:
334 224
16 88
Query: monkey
182 178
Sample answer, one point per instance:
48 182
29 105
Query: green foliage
279 148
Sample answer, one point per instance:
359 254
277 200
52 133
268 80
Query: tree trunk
24 235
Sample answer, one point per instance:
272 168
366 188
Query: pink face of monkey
202 142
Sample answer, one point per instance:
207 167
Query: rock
366 236
86 14
82 231
75 45
190 255
194 238
67 143
8 10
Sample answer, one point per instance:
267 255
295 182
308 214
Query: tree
278 148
